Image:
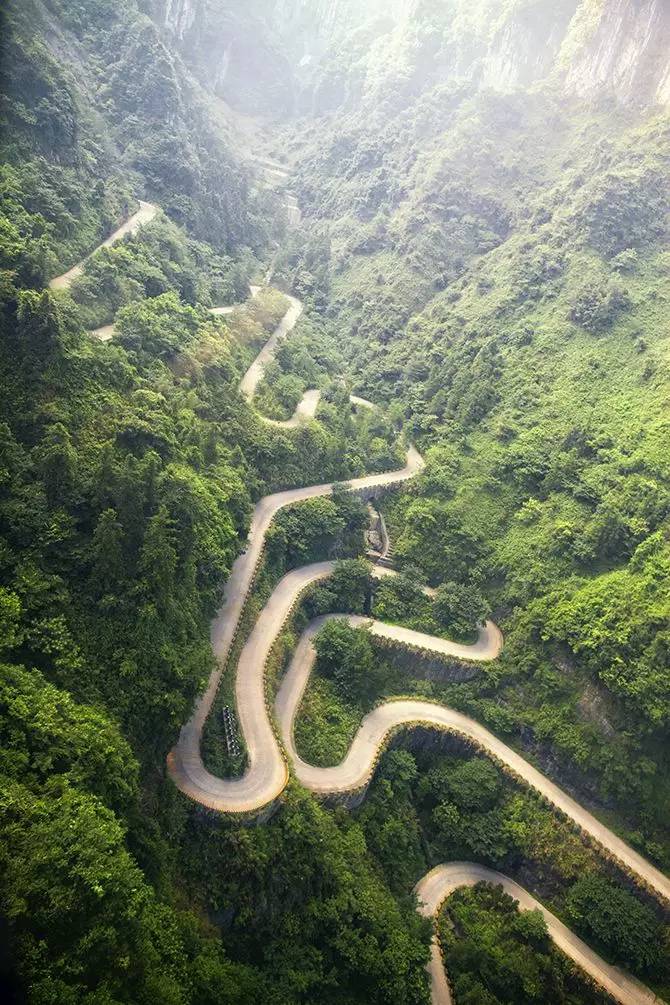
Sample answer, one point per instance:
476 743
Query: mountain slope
497 262
96 106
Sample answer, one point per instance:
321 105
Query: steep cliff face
264 58
286 56
525 45
314 27
175 16
179 15
588 48
624 48
232 49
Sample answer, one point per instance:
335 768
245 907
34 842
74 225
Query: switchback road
268 768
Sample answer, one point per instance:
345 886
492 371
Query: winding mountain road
144 214
107 332
254 374
268 770
308 404
437 885
267 773
355 771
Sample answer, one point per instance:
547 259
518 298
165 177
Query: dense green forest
482 926
489 267
498 265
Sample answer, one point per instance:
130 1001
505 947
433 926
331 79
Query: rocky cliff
233 50
622 46
588 48
269 54
178 15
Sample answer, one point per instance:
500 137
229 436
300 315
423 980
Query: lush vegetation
454 610
491 270
348 679
311 907
117 535
80 135
496 262
128 472
355 671
495 953
443 803
159 259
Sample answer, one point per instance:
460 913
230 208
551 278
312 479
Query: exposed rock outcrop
624 48
281 57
